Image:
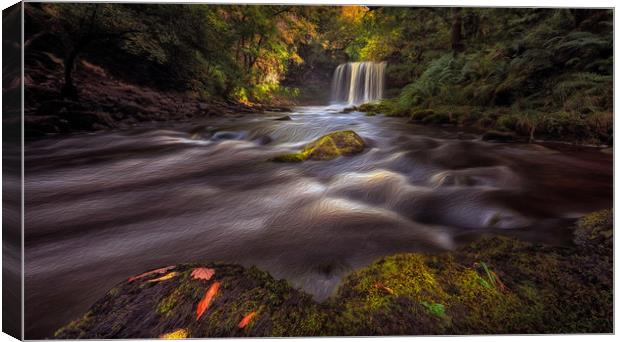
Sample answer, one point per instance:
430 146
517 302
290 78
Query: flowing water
102 207
358 82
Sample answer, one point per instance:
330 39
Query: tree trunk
456 36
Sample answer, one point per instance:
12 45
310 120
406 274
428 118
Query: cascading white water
358 82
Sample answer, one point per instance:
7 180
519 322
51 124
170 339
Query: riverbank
495 285
106 102
504 124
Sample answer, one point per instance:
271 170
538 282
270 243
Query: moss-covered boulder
149 307
495 285
329 146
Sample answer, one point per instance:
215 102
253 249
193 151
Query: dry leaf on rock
384 288
157 271
166 277
246 320
203 273
203 305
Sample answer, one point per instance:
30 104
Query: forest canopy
522 69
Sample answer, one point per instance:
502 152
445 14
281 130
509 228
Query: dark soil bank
495 285
106 102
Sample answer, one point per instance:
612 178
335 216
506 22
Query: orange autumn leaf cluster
203 305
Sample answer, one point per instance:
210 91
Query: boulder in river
283 118
329 146
348 109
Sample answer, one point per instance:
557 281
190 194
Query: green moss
114 291
76 328
595 230
168 303
290 158
373 108
329 146
436 309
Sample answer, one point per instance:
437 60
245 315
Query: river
104 206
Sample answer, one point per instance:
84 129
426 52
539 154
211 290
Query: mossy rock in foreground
145 308
495 285
329 146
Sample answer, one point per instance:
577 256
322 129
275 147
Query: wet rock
421 114
595 231
279 109
498 136
329 146
226 135
283 118
495 285
437 119
161 303
263 140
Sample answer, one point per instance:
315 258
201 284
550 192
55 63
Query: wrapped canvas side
12 171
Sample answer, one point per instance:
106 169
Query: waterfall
358 82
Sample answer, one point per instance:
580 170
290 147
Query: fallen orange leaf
166 277
202 273
207 299
246 320
380 286
157 271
